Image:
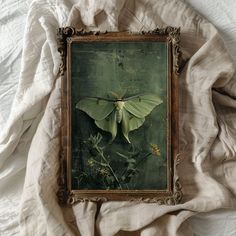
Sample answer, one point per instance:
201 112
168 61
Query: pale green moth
130 112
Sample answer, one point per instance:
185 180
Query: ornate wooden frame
173 194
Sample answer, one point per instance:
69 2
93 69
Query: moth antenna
122 94
114 94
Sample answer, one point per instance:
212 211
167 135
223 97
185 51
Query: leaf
127 158
122 155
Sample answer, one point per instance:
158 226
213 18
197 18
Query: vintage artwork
119 137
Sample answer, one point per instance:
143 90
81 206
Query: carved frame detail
66 196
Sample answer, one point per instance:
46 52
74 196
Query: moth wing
108 124
98 109
129 123
141 106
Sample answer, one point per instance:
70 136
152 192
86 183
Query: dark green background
134 67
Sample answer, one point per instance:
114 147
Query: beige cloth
207 120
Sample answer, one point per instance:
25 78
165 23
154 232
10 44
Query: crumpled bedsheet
30 132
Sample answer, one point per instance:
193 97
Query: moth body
119 104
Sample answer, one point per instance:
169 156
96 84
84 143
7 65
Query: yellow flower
90 162
103 172
155 149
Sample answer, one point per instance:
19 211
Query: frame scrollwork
65 195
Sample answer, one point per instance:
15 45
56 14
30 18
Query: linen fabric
207 122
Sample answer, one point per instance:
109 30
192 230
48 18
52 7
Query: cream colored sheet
207 121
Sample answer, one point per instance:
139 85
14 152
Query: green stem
114 175
149 154
108 165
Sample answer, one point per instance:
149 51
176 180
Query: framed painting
119 134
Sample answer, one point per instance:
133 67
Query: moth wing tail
113 136
126 135
129 123
109 125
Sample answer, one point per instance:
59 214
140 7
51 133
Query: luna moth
130 112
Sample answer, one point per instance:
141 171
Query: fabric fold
207 121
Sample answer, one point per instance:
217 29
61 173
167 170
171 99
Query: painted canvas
119 107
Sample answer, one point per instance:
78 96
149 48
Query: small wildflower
103 172
155 150
90 162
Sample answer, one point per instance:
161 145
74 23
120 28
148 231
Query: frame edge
64 194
